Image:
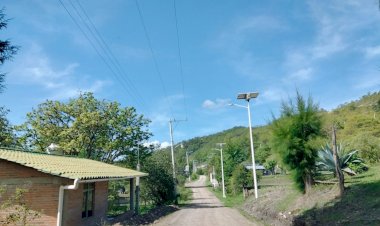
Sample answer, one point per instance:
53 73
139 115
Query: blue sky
329 49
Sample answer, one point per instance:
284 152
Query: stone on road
204 209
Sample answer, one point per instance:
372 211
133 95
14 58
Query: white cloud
373 51
302 74
34 67
165 144
273 94
218 103
339 28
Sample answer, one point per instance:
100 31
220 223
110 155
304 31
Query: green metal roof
68 167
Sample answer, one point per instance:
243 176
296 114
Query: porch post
131 194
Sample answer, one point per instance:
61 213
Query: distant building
65 190
258 168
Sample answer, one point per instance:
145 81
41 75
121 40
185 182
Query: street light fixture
248 97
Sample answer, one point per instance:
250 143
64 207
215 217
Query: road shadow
130 219
360 205
197 186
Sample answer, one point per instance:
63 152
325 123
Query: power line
110 53
153 55
110 59
180 57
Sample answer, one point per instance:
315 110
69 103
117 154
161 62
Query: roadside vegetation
288 153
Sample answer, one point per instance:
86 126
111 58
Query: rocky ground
149 218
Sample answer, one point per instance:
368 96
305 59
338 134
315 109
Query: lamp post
221 163
248 97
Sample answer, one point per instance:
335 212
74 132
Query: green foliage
6 49
293 134
194 176
350 163
262 153
241 177
369 146
13 203
270 165
200 171
159 186
185 195
7 137
88 127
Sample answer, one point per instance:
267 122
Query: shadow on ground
129 219
360 205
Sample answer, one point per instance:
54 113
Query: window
88 200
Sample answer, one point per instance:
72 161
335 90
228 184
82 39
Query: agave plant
326 162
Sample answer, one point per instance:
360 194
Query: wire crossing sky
177 59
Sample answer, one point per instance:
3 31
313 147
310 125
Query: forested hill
358 124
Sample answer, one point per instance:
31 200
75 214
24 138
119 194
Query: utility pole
171 121
172 144
221 162
137 207
187 165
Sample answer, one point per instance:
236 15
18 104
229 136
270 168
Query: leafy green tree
270 165
241 177
159 185
87 127
293 135
350 163
234 153
7 137
262 153
7 50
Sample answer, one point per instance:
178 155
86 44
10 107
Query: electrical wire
107 61
153 56
180 58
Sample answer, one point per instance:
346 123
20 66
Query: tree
234 153
13 204
90 128
159 185
293 136
6 133
241 177
6 49
270 165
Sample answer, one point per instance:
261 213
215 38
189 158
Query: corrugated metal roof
68 167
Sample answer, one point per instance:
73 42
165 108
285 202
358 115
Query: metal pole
221 161
172 145
188 166
252 151
137 207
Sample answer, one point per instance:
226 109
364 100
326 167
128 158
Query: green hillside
358 128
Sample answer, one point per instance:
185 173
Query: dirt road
205 209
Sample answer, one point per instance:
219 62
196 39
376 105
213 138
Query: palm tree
325 160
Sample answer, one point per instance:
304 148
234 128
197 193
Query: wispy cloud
34 67
232 41
338 25
303 74
373 51
217 104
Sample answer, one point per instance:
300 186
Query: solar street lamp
248 97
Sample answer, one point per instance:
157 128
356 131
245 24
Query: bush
159 185
194 176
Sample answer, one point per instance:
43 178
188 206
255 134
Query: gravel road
204 209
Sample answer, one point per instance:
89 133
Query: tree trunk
338 170
308 181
